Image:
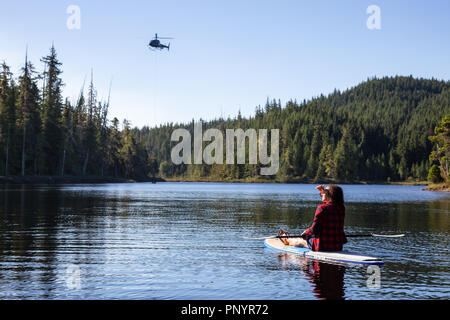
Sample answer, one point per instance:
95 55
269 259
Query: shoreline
71 180
297 181
103 180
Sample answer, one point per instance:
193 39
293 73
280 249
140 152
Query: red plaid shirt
327 230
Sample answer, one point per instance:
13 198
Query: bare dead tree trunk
7 155
35 165
63 161
23 149
85 163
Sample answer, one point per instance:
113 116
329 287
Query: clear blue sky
227 55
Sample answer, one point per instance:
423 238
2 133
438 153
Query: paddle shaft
352 236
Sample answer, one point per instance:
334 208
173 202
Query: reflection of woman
327 231
328 279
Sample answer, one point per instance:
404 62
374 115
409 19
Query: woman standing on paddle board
327 231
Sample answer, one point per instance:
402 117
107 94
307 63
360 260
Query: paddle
347 235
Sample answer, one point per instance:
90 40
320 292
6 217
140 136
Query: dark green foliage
42 135
28 119
8 95
51 114
441 153
376 131
434 175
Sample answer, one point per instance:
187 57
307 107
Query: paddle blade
388 235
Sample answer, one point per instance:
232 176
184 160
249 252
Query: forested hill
376 131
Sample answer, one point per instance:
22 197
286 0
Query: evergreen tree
28 116
51 113
313 161
89 139
7 117
67 125
115 145
434 175
345 157
441 154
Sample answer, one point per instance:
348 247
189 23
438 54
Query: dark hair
336 194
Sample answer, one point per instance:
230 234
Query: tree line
376 131
41 133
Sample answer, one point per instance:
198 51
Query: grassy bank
438 187
409 183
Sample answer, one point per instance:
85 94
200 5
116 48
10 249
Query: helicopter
156 44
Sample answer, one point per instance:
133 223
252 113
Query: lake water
185 241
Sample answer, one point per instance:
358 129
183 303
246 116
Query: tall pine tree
51 114
7 117
28 117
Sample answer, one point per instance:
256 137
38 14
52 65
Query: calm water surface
184 241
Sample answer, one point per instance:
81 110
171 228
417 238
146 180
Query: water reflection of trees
327 279
396 216
37 224
27 228
425 216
